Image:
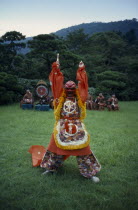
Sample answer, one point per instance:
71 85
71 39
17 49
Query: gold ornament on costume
58 107
69 107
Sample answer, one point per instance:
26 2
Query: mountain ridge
94 27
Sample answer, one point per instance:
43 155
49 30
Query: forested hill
94 27
111 60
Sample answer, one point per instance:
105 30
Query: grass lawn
113 140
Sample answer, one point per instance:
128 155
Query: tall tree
9 47
13 36
45 48
77 41
131 36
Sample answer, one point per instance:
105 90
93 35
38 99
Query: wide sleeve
56 80
82 82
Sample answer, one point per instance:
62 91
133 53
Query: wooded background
111 60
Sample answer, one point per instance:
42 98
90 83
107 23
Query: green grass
113 141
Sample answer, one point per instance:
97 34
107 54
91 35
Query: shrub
10 90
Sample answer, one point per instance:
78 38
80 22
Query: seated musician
89 102
27 99
112 103
100 102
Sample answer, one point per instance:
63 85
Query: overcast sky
33 17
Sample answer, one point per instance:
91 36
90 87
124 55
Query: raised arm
82 82
56 80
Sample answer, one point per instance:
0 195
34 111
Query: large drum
42 92
42 89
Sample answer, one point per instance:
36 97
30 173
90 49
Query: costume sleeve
56 80
82 83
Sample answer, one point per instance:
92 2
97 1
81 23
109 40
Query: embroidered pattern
88 165
70 132
52 161
69 107
58 104
79 140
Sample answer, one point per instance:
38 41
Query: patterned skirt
88 164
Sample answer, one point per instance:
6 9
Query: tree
6 58
12 36
44 49
10 90
9 50
77 41
111 82
44 52
131 36
108 45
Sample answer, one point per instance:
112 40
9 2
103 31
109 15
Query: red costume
100 102
70 136
89 102
112 103
27 99
57 88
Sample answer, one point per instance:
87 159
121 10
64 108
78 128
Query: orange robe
56 79
82 83
57 87
77 152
